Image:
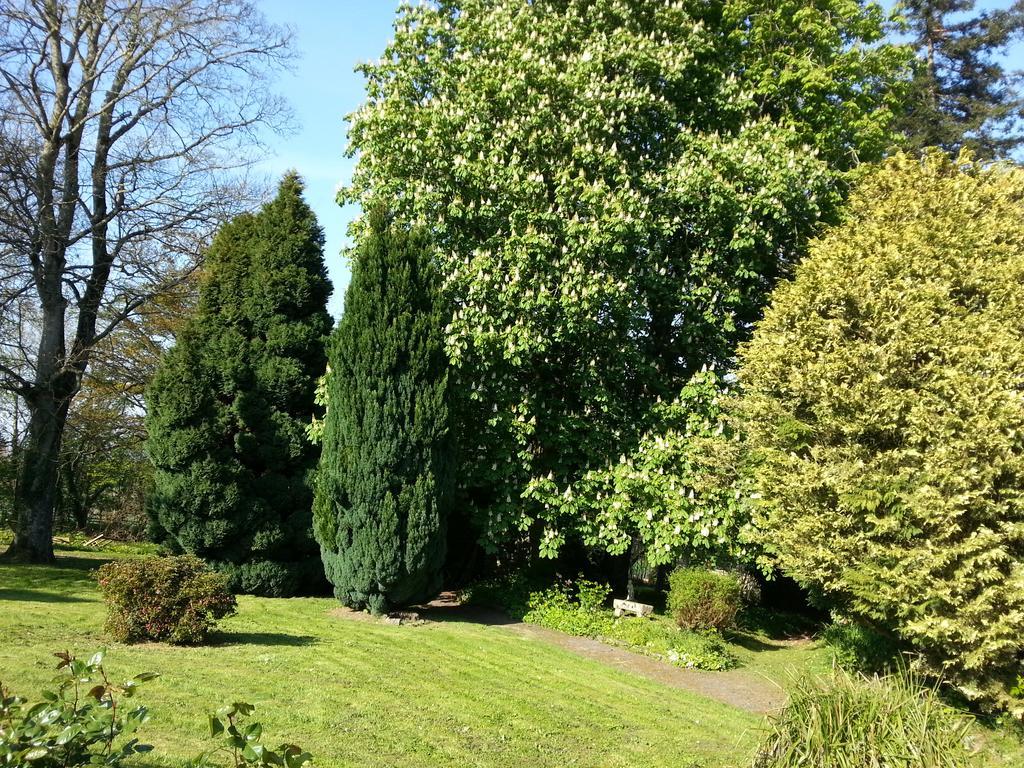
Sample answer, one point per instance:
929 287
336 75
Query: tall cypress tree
386 469
228 407
961 95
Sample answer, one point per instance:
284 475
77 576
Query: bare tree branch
126 130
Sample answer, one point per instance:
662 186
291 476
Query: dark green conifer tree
228 408
385 474
961 94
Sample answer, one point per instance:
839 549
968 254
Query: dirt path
737 687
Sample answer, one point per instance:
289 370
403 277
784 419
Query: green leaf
216 726
68 734
252 752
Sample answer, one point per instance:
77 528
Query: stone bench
629 606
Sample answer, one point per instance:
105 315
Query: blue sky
332 36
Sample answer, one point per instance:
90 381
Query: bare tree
125 126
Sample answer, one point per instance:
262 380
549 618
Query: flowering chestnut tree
683 488
613 187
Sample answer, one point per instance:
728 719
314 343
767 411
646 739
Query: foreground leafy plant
75 724
852 720
242 740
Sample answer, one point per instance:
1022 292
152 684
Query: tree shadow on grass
750 642
441 610
39 596
64 564
152 760
778 625
261 638
79 568
62 581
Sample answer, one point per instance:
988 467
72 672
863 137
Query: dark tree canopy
385 473
962 96
229 406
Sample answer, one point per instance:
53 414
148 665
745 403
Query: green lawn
360 693
364 694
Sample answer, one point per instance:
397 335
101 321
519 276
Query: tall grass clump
846 720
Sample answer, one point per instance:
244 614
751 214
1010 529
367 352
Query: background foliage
961 95
684 489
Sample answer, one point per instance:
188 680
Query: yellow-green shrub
884 401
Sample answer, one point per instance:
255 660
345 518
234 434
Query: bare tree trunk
636 550
16 426
73 501
49 400
37 482
933 32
